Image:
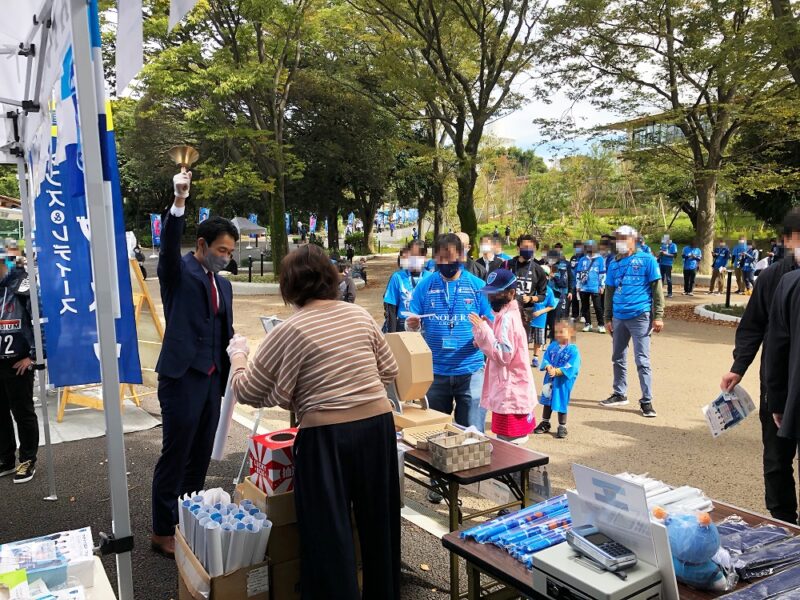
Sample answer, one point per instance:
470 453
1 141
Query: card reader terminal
601 549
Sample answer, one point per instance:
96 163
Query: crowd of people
489 322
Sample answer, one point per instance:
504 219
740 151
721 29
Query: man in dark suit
193 366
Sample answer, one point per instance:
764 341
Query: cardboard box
284 544
271 460
278 508
286 581
194 583
416 364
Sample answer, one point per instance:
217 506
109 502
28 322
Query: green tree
703 65
473 52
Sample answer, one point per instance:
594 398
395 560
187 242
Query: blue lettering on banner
64 252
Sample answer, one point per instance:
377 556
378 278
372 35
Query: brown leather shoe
163 544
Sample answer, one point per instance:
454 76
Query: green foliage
357 240
9 184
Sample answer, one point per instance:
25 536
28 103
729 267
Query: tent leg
88 63
33 280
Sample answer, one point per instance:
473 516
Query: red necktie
214 305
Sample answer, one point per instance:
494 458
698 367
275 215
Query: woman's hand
238 345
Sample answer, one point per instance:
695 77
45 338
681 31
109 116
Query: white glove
238 345
182 182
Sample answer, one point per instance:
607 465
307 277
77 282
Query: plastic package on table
737 537
768 560
784 585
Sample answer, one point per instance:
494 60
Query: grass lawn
735 310
242 276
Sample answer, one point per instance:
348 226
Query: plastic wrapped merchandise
768 560
737 537
782 586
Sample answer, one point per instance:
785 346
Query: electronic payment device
407 393
561 573
589 541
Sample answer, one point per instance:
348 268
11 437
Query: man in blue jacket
577 247
590 283
736 255
666 258
720 258
193 366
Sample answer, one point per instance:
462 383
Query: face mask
449 270
415 263
526 253
665 240
622 247
552 261
404 263
214 262
485 248
589 252
497 304
578 250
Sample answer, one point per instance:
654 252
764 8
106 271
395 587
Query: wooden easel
150 335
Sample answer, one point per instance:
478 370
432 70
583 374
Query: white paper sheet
224 423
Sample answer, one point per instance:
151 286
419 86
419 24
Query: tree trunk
333 228
690 211
368 210
706 185
466 178
278 238
437 191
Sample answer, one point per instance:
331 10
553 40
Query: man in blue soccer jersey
634 308
440 308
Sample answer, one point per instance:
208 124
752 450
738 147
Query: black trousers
16 401
666 277
339 468
688 281
780 486
576 305
189 413
587 301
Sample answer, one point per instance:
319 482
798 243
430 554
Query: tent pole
33 280
90 93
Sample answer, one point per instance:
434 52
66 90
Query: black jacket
531 280
476 268
490 266
16 322
752 329
782 350
186 296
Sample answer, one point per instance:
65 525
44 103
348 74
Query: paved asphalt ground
83 499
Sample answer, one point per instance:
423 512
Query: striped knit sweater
327 362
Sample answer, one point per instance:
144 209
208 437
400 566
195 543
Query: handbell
183 156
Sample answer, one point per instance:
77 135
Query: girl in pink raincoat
508 387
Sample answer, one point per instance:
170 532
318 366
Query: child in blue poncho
561 363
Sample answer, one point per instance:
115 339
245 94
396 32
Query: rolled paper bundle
248 520
227 533
254 510
260 551
232 508
251 540
246 505
184 515
521 533
239 516
218 506
216 516
197 499
195 507
214 549
236 548
484 531
259 517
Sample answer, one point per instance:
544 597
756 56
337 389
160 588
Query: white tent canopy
34 35
247 227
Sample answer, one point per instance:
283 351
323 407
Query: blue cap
499 281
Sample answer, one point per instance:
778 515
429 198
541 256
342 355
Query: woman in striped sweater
330 364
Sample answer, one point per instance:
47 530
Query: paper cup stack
223 536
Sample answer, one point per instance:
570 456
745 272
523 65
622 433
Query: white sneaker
587 329
601 329
582 320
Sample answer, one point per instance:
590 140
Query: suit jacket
491 266
186 296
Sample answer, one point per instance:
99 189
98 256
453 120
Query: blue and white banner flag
64 250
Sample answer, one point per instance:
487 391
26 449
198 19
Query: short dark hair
527 237
215 226
443 242
308 274
791 222
577 243
343 266
419 244
558 245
